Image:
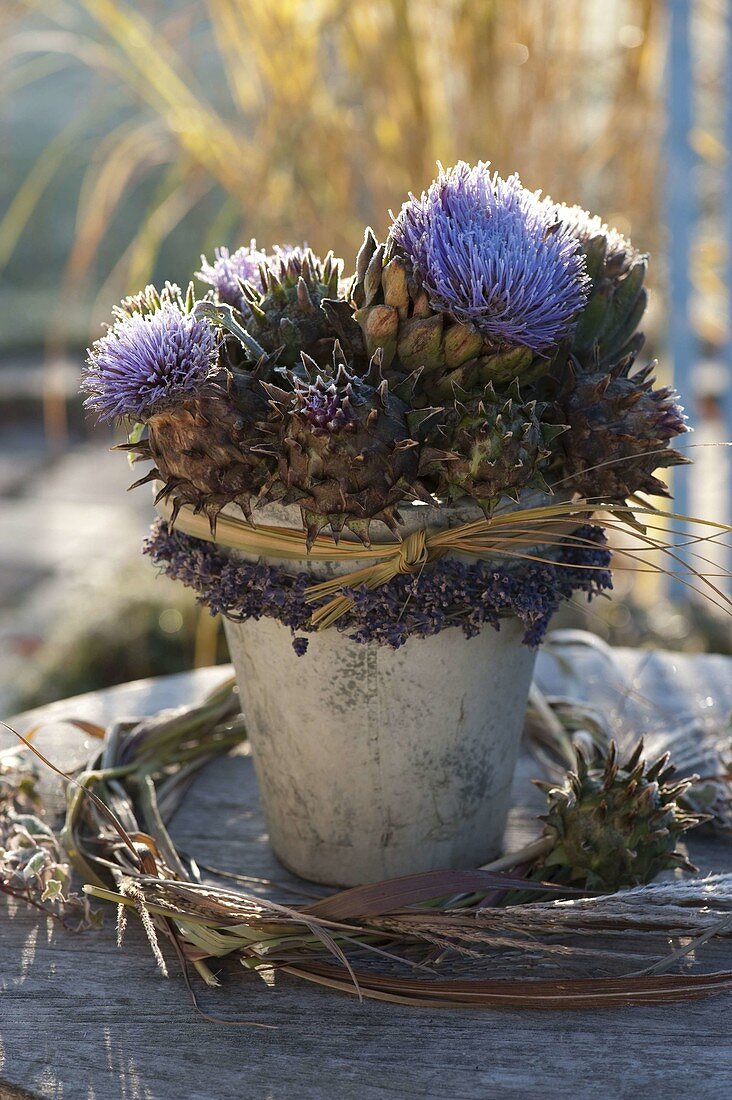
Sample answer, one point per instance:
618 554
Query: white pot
372 762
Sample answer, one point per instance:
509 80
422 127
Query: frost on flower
619 252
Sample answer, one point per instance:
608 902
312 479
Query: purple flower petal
229 269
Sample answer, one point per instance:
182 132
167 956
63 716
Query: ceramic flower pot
373 762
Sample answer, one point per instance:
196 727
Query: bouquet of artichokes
487 346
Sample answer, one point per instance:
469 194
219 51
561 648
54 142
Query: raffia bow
410 557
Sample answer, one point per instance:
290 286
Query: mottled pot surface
374 763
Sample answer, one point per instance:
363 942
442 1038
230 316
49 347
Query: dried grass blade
379 898
581 993
98 804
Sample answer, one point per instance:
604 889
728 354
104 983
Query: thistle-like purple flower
146 362
230 269
225 273
324 404
493 255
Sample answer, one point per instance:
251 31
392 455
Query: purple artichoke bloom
493 255
148 361
230 269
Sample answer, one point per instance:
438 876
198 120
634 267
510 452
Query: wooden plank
78 1018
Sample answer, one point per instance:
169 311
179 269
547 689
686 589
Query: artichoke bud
363 259
606 328
150 300
372 278
287 313
203 447
304 300
462 344
594 250
497 446
345 445
421 304
395 286
419 342
325 405
506 366
615 824
620 430
380 325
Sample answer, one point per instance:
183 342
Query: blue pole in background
680 207
727 220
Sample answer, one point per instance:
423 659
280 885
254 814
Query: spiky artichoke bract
606 332
615 823
496 447
292 310
619 429
203 447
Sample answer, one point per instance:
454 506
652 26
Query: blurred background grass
134 137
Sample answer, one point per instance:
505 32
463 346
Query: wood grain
78 1018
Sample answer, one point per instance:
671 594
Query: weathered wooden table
80 1018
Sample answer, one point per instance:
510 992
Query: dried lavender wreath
452 593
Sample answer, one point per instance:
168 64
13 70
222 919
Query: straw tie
413 553
409 556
